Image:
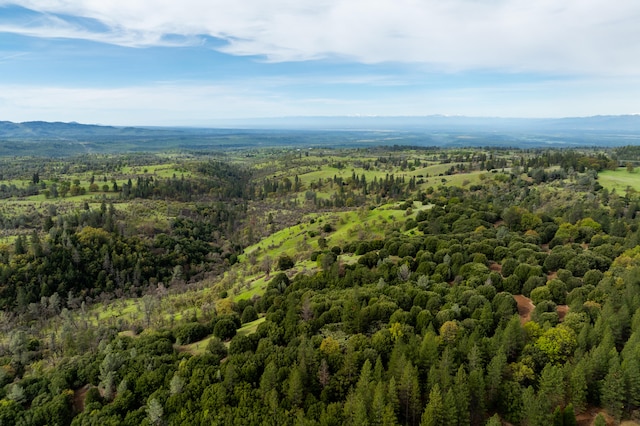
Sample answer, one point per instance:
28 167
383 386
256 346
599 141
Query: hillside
384 285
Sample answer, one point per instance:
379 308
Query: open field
619 180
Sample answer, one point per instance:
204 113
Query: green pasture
327 173
619 180
157 170
196 348
250 327
462 180
256 286
360 224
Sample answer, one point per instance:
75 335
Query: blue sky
198 62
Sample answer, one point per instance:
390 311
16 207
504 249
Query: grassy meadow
620 179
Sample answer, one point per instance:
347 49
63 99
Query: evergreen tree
450 411
600 420
461 392
476 395
433 414
495 371
19 245
296 387
551 386
569 416
631 372
409 394
393 396
578 387
155 412
613 390
494 421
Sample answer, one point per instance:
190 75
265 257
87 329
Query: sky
200 62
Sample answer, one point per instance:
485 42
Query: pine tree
613 390
494 421
296 387
558 418
569 416
434 412
269 379
393 396
450 411
537 411
578 387
631 371
476 395
409 394
513 338
461 392
551 387
379 404
600 420
154 412
495 370
19 245
359 402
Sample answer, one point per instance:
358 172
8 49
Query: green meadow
620 179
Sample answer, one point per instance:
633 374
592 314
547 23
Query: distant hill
45 129
63 139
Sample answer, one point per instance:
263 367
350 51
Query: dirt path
78 398
525 307
587 418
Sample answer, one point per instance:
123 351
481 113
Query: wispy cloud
596 37
5 57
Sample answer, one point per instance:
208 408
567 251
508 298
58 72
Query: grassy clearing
250 327
619 180
126 309
197 348
256 287
462 180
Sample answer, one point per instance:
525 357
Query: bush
285 262
240 344
93 395
217 349
225 329
191 332
249 314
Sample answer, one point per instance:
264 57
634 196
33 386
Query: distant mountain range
58 130
62 139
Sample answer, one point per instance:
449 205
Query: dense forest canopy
386 285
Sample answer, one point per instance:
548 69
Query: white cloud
569 36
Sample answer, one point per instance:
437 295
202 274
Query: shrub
285 262
217 349
191 332
225 329
249 314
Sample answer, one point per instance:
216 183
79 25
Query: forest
391 285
